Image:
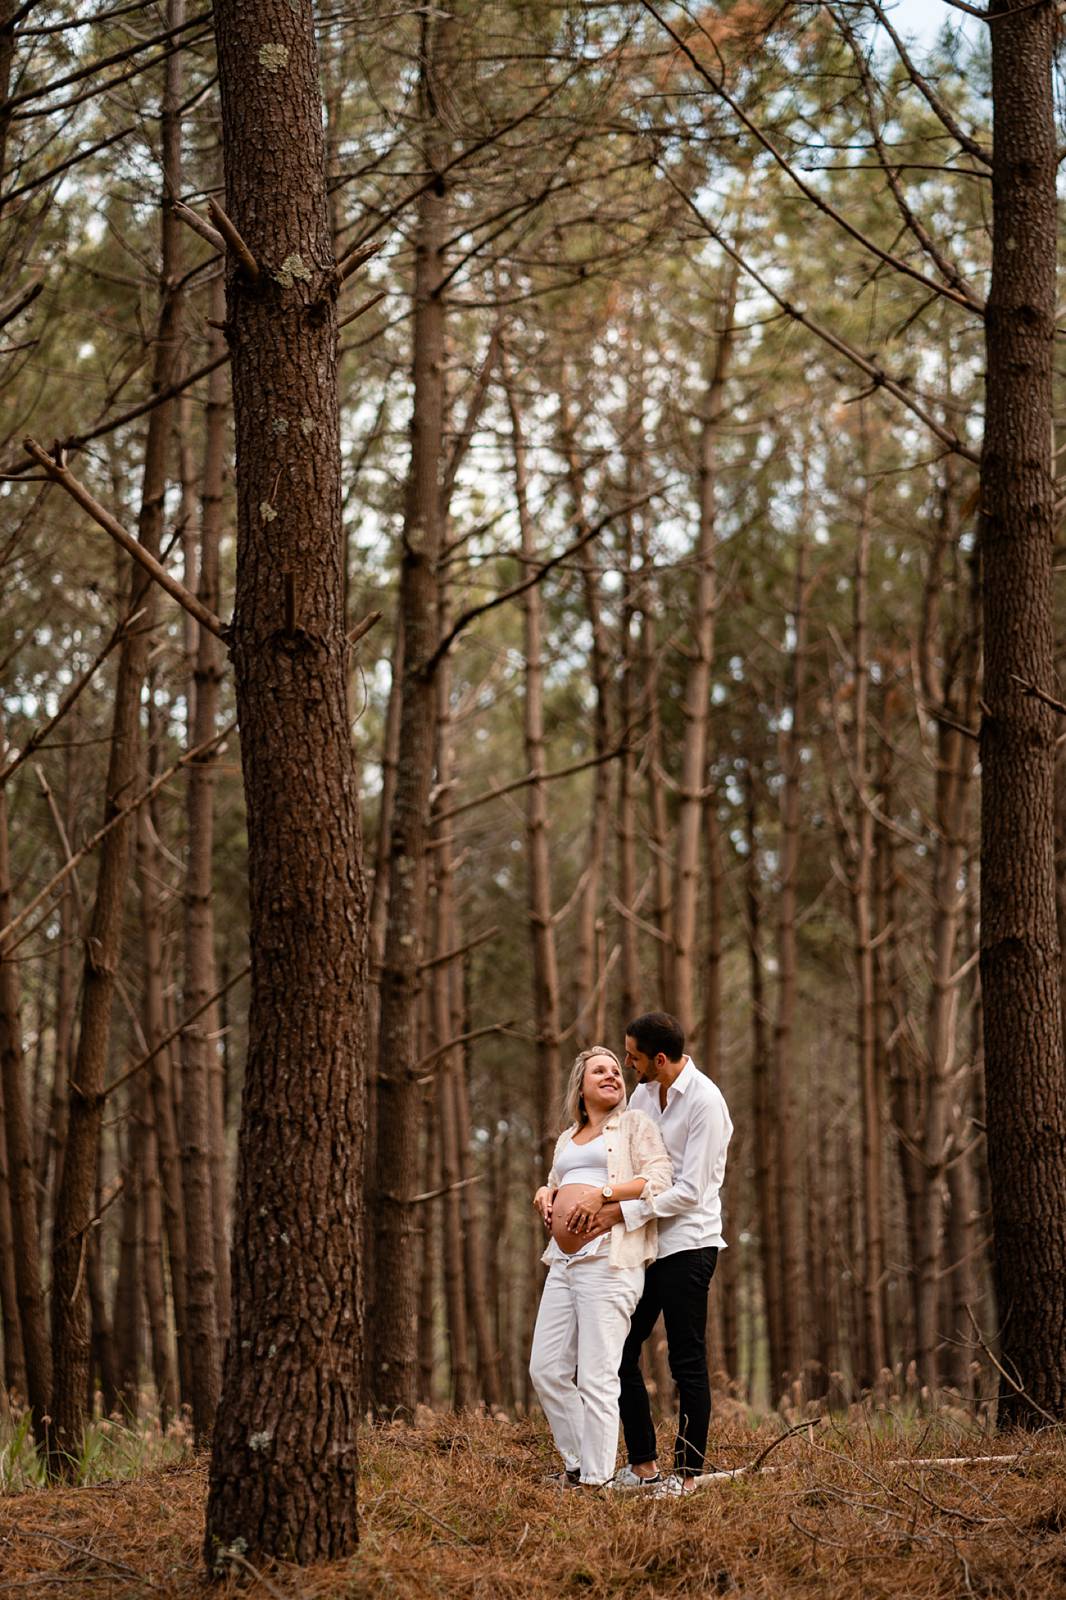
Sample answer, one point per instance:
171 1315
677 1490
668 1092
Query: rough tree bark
284 1459
1020 957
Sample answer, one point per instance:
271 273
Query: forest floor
455 1507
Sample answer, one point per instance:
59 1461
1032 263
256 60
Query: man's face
645 1067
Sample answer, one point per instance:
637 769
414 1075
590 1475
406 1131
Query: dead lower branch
38 736
233 240
195 221
530 778
361 629
101 833
61 474
176 1031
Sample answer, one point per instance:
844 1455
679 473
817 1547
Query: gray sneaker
570 1479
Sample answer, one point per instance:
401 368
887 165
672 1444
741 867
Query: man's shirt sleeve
706 1137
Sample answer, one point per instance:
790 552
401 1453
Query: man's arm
708 1135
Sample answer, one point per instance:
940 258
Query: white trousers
581 1327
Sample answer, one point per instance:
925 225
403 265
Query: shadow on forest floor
455 1507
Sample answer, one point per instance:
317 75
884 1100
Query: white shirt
696 1128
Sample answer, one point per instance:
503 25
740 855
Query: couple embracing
634 1209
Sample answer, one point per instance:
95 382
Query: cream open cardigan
635 1149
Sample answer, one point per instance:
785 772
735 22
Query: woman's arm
650 1156
586 1211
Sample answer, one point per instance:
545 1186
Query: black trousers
677 1287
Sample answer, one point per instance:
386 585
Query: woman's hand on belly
568 1199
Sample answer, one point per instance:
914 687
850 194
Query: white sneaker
668 1487
627 1481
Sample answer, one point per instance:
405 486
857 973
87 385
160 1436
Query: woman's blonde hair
574 1104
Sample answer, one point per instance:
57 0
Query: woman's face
602 1084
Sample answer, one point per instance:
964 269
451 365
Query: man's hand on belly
609 1213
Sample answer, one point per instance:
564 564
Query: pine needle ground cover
456 1507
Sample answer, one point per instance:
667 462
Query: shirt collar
684 1077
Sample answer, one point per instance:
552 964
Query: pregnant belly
570 1195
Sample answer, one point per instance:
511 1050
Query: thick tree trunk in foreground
1020 958
284 1461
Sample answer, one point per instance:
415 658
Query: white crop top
583 1163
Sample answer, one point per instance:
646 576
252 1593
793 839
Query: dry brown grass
454 1507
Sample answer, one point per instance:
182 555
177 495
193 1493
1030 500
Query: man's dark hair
657 1031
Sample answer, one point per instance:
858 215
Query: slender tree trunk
546 1002
447 1065
790 1200
145 1115
862 889
429 1213
479 1286
584 988
21 1176
393 1359
127 1320
202 1115
14 1355
766 1191
696 704
70 1319
284 1461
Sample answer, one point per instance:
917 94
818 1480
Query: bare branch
38 736
175 1032
465 618
816 200
361 629
79 493
101 833
876 374
195 221
531 777
233 239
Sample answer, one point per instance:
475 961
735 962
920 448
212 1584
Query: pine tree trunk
70 1312
144 1107
584 991
873 1268
21 1176
284 1460
393 1356
547 1020
766 1192
696 704
1020 957
790 1204
202 1117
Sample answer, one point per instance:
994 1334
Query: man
691 1114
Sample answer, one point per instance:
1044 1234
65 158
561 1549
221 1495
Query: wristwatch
607 1192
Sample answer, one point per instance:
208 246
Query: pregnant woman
594 1280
